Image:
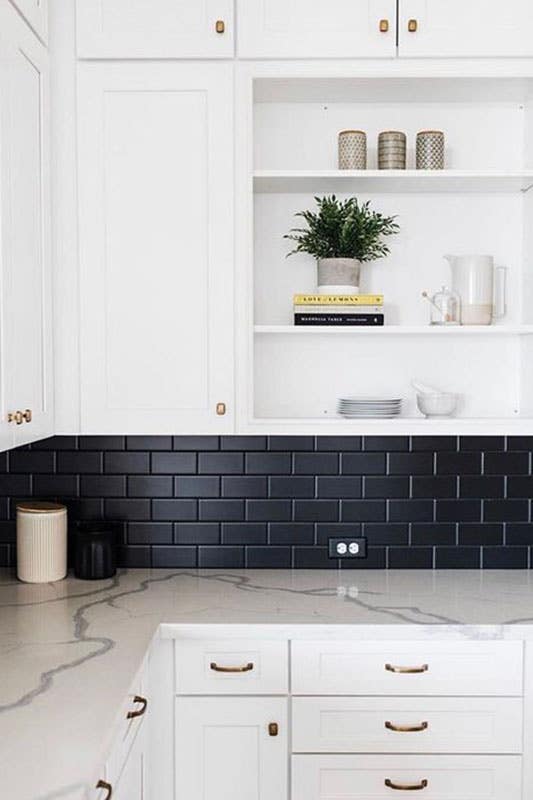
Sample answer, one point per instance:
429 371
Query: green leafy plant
343 229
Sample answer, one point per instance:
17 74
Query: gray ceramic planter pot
338 275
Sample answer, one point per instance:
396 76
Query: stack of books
338 309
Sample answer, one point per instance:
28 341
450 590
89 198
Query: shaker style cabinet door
155 28
156 247
455 28
35 12
303 29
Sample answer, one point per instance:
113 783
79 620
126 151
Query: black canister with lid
95 554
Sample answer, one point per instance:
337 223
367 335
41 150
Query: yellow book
338 299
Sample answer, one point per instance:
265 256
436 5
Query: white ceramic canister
41 542
352 150
473 280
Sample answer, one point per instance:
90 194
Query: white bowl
442 404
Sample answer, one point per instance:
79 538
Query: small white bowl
437 405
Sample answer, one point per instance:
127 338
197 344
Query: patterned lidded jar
392 150
352 150
430 150
41 542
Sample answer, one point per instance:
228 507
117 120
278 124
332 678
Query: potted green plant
341 235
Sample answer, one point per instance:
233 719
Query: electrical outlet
347 547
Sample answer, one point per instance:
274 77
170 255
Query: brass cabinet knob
27 415
140 711
15 416
412 25
221 409
273 729
220 26
384 25
106 787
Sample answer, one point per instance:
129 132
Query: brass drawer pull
220 26
273 729
16 416
412 25
407 728
221 409
247 668
144 705
407 670
107 786
406 787
27 415
384 25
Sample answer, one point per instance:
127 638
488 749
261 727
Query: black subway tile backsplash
182 502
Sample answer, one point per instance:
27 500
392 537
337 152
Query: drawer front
133 715
231 667
407 668
412 725
382 777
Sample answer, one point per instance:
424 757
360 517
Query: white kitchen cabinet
35 12
473 29
26 325
132 782
156 247
155 28
227 749
299 29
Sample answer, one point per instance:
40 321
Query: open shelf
401 426
396 330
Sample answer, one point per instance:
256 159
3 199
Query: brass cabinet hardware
27 415
108 788
16 416
246 668
407 670
221 409
406 787
141 711
384 25
273 729
220 26
407 728
412 25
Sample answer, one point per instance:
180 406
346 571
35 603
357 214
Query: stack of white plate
370 407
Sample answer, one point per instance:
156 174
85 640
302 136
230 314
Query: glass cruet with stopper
445 307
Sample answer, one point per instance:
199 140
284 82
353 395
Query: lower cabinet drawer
384 777
133 716
406 725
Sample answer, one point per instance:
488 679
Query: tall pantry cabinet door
155 28
300 29
35 12
156 247
226 749
455 28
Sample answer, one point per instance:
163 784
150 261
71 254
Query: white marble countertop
70 650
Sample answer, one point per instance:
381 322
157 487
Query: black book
339 319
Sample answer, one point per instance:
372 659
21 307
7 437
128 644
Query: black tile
325 530
520 442
103 486
221 510
196 486
516 533
337 443
433 533
127 509
434 486
411 464
386 487
103 443
458 511
312 558
475 533
14 484
316 510
8 531
5 556
127 463
268 510
86 508
195 443
506 510
457 558
56 443
376 558
505 558
243 443
268 463
458 463
149 442
291 533
268 557
411 510
149 486
197 532
363 463
80 462
220 463
386 533
410 557
506 464
220 557
291 486
4 505
55 485
31 461
363 510
481 443
179 510
134 557
316 463
150 533
244 486
346 487
244 533
174 557
433 444
519 486
481 486
173 463
387 443
292 443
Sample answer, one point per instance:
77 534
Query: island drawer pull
108 788
407 728
406 787
246 668
141 711
407 670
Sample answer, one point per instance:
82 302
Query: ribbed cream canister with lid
41 542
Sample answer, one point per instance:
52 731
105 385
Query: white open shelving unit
292 376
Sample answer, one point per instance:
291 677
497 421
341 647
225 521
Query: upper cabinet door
35 12
303 29
155 28
465 28
156 247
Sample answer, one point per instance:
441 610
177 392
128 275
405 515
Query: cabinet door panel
156 247
154 28
299 29
466 29
35 12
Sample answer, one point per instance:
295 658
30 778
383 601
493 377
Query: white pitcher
473 278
